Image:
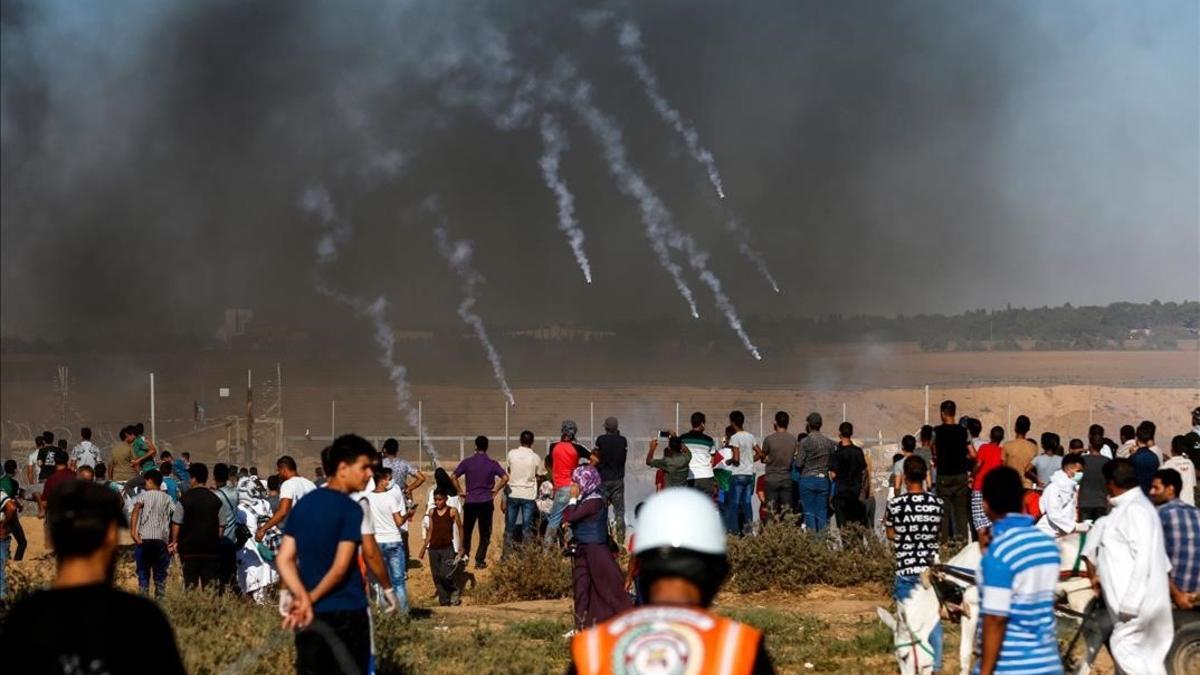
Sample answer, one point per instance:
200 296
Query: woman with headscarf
255 560
597 579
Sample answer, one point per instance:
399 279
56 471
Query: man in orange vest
680 548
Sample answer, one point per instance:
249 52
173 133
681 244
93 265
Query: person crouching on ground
683 565
599 584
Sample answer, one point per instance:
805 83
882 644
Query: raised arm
650 454
285 507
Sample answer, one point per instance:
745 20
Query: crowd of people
331 543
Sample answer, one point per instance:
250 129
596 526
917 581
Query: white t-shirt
745 442
85 454
382 506
523 466
295 488
1187 471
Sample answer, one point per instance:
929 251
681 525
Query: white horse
1073 593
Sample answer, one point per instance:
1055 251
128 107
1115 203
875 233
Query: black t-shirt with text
950 442
198 533
86 629
45 460
613 451
916 519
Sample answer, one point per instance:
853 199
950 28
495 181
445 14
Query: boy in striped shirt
1016 579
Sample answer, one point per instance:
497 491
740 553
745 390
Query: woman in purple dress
599 584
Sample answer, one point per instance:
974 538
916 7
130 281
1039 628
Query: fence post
592 419
506 426
676 417
926 404
760 421
462 448
843 411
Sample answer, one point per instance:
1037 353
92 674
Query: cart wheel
1184 656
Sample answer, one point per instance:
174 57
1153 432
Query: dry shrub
529 572
784 558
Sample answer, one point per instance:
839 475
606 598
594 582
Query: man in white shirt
1128 557
1059 499
292 489
86 453
1128 442
739 513
1187 471
389 516
523 467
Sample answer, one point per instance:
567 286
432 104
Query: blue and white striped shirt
1017 577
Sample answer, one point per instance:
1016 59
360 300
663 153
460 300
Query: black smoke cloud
887 156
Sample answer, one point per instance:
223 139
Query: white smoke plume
630 40
660 229
316 202
458 254
554 142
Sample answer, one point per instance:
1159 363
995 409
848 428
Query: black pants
478 512
18 534
956 494
227 567
849 509
199 571
335 643
441 566
779 495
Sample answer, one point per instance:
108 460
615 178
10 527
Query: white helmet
680 518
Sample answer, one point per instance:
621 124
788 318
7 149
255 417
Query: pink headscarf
588 480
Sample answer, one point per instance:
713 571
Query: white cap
680 518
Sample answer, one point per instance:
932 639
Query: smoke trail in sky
554 140
630 40
316 202
657 220
458 255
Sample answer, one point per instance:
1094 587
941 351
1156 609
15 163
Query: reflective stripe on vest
669 640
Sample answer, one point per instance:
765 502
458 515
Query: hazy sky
885 156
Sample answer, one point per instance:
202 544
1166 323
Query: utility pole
248 455
279 406
153 427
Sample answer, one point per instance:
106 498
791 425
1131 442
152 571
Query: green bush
784 558
529 572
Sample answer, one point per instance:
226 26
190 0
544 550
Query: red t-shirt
989 457
565 456
57 478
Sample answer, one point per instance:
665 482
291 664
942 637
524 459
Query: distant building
235 324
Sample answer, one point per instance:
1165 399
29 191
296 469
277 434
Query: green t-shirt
675 468
140 448
8 485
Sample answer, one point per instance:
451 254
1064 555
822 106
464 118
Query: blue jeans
3 562
150 558
521 509
904 587
738 505
814 497
561 497
395 560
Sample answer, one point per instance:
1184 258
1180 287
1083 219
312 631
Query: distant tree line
1121 325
